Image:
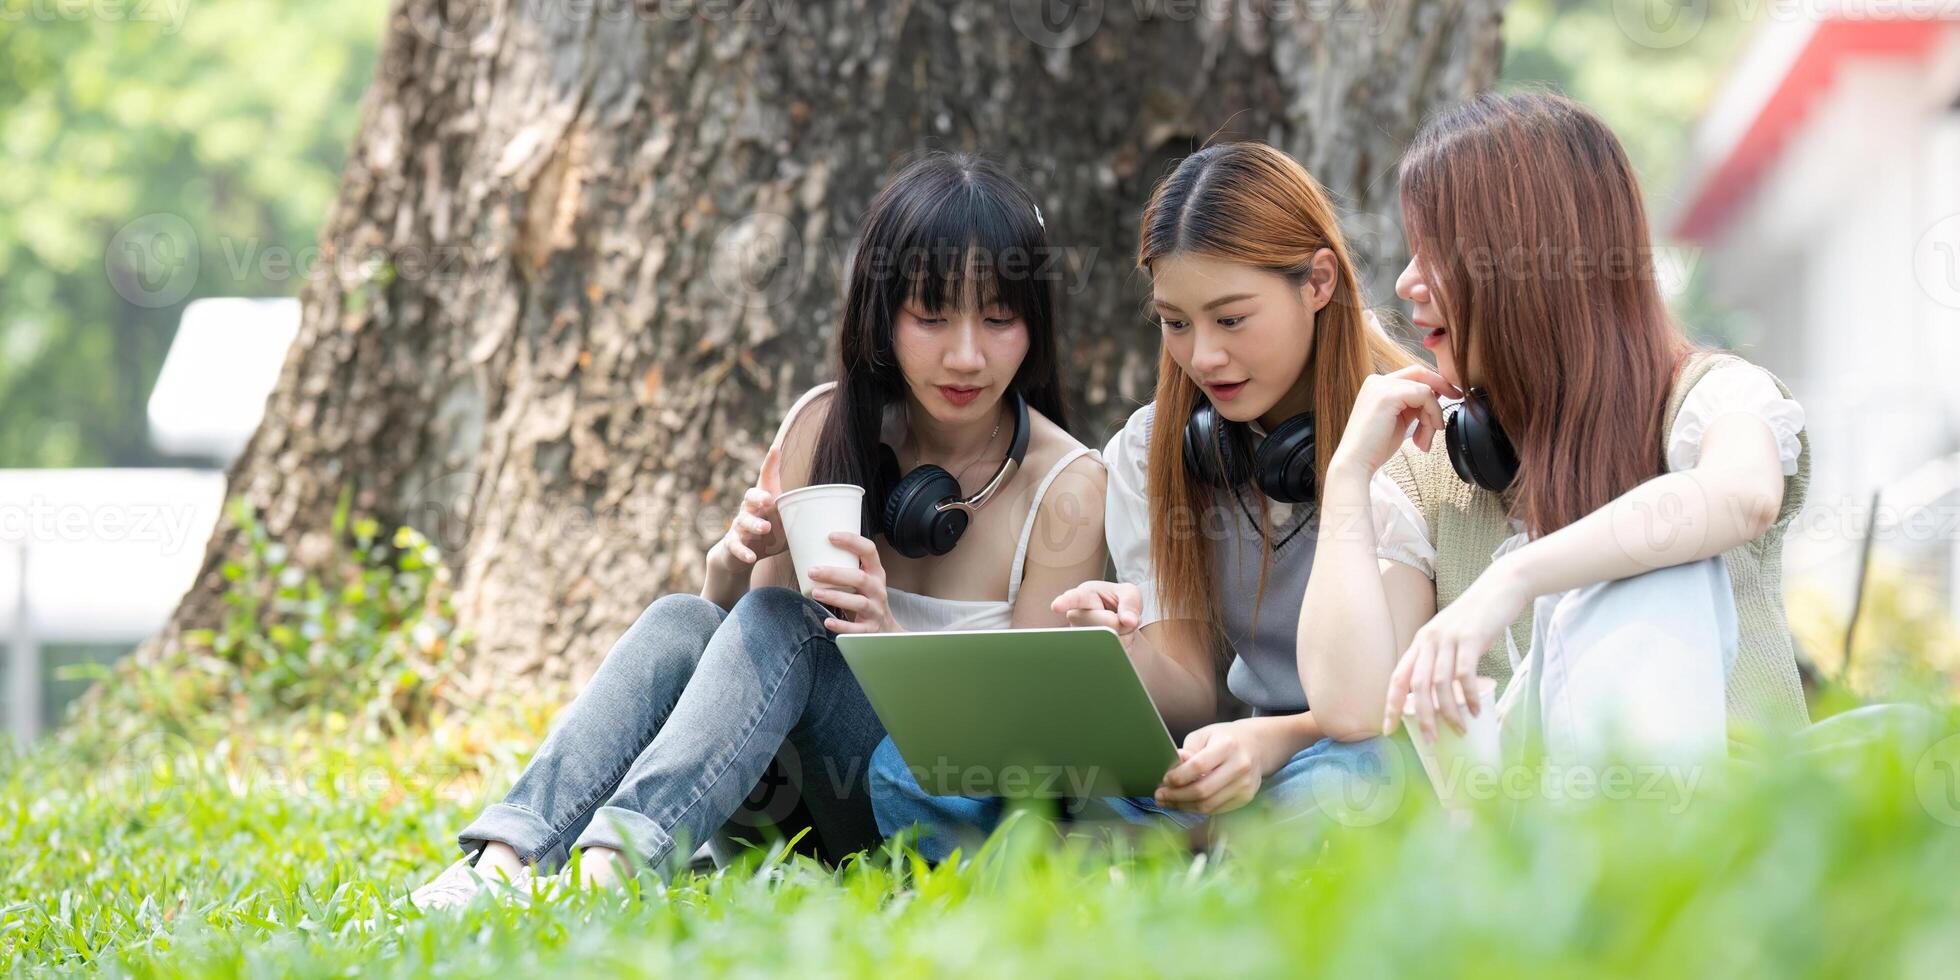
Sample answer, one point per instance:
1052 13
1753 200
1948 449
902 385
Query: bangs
967 251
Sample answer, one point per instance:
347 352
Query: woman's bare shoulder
1048 443
1084 478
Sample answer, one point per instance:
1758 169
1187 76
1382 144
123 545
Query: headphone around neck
1479 450
1217 452
924 513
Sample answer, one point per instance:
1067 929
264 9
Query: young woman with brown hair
1603 529
1211 502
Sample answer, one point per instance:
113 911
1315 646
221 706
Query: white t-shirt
1402 535
1126 511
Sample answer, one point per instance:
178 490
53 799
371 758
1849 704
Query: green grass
285 847
260 799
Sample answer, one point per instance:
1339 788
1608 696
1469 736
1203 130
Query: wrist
1272 740
1514 574
1345 470
724 566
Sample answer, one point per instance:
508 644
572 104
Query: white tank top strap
796 409
1034 511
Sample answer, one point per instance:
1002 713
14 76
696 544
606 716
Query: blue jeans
680 721
1315 775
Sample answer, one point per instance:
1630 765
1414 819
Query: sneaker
459 883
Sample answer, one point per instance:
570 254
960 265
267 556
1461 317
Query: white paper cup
809 514
1458 763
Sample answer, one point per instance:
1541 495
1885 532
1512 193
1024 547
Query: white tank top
930 614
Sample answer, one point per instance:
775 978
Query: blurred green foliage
1650 69
367 636
229 118
1906 638
1649 75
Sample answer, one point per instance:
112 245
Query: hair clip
1038 219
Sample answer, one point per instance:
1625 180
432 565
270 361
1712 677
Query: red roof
1728 181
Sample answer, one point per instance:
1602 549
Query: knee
1690 607
774 607
670 633
1366 759
889 775
681 611
1351 778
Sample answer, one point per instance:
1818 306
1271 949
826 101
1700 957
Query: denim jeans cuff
642 838
527 833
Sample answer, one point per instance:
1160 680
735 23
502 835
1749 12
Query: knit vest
1467 523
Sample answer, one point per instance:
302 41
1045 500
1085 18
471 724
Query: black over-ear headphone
1480 452
1216 452
924 513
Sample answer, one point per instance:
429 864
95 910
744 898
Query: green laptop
1035 713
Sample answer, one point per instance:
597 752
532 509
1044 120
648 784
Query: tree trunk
586 252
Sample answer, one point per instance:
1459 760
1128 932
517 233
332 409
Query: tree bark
585 253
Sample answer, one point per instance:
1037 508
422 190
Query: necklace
960 474
991 436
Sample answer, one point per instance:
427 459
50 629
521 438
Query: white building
93 561
1826 196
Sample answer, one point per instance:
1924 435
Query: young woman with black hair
980 509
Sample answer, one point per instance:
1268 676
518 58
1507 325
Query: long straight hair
948 230
1249 203
1526 217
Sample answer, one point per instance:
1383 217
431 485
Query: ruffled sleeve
1734 389
1126 510
1401 534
